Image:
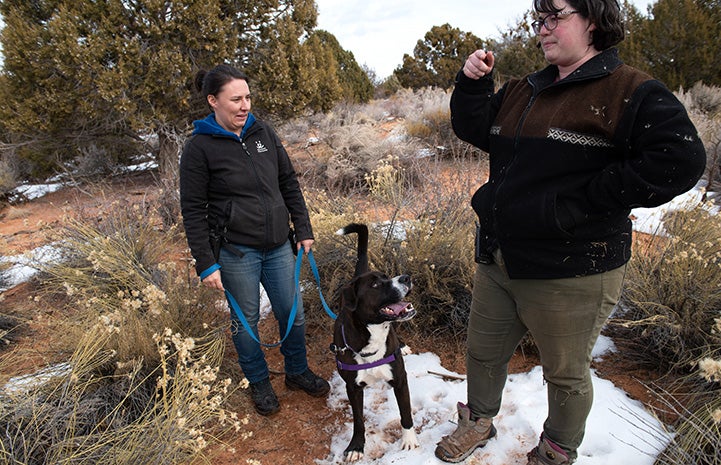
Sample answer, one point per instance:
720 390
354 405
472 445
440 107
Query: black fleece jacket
570 159
243 188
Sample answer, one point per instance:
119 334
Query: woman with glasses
573 148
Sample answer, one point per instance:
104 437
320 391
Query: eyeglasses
550 21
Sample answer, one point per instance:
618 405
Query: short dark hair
605 14
211 82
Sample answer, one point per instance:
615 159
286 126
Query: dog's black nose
404 279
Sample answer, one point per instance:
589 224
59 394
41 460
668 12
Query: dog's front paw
353 455
409 440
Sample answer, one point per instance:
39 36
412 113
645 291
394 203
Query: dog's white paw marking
409 440
353 456
405 350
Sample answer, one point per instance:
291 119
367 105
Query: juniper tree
80 73
437 58
517 50
356 85
85 72
680 42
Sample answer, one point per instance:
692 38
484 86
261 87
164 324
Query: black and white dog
366 346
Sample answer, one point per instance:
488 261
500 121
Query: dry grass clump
143 385
702 98
345 146
342 147
168 203
358 149
424 233
429 121
116 268
100 409
8 327
671 302
704 106
8 179
697 437
673 292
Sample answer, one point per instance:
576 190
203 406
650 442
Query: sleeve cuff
209 271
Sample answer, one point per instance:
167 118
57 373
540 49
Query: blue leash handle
294 310
314 269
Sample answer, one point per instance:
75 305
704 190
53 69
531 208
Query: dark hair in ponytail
211 82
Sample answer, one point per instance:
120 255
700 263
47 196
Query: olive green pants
564 316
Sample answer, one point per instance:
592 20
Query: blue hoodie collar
210 126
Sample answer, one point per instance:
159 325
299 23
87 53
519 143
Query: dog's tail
361 264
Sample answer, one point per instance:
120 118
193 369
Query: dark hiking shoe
548 453
264 398
309 382
468 436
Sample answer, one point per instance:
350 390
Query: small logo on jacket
260 147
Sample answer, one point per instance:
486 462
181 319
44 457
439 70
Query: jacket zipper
260 191
516 138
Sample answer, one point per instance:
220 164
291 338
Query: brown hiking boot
468 436
548 453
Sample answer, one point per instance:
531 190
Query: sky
380 32
619 429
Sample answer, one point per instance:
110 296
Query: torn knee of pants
563 395
494 371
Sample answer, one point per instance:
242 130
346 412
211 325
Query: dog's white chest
376 346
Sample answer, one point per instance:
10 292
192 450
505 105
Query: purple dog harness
364 366
357 367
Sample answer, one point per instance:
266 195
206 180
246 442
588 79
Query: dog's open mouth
399 311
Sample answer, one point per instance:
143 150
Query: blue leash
291 318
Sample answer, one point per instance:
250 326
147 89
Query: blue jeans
274 269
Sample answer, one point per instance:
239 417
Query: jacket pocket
246 219
563 216
534 216
280 224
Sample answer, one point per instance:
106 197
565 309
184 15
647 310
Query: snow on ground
25 266
650 220
615 422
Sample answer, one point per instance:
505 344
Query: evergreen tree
284 81
631 48
355 82
437 58
81 73
517 51
681 45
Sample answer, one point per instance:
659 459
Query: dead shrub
143 385
423 230
672 293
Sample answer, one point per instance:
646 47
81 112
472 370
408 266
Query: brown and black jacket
570 159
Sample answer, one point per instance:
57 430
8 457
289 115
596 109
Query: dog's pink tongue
399 307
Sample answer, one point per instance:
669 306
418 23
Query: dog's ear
348 297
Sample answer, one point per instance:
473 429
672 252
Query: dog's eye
375 284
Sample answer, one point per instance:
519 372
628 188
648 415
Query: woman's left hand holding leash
306 244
